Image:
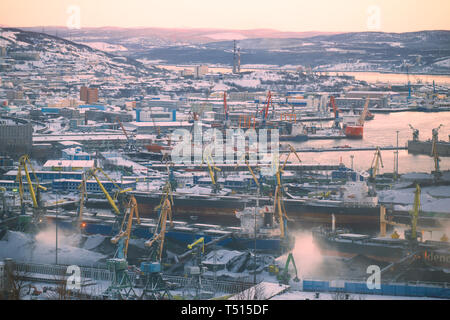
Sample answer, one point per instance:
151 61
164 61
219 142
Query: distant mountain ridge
414 52
172 35
55 49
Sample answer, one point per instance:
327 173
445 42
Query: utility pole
351 157
396 161
56 225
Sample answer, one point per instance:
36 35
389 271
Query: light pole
56 225
396 160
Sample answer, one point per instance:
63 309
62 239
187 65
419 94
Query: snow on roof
69 163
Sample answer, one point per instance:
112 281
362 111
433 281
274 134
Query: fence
432 290
101 274
213 285
60 270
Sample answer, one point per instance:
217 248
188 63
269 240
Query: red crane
268 103
336 110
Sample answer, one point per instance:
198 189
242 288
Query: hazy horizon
282 15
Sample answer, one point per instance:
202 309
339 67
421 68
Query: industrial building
16 136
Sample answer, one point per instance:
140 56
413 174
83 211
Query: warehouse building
16 137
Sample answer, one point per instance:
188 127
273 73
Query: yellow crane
278 199
83 193
125 229
415 213
24 162
291 150
414 218
212 169
165 211
376 162
197 242
93 173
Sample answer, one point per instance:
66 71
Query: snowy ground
433 199
41 249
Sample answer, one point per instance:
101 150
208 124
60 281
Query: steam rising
307 256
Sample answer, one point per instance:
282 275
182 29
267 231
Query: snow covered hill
74 57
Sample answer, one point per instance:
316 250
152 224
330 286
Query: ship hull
236 241
222 210
434 255
350 249
354 132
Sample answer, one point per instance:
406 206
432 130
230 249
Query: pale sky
283 15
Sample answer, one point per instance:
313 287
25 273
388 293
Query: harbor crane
278 199
415 133
225 108
119 196
164 211
413 233
265 111
363 116
375 166
83 196
131 145
158 128
155 287
123 237
38 210
194 286
434 151
415 214
336 110
213 172
121 286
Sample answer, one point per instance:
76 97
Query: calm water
371 77
382 132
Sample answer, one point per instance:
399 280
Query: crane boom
376 162
24 162
165 210
125 229
197 242
415 213
123 129
363 115
336 110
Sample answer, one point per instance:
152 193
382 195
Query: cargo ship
355 207
257 230
384 249
354 124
